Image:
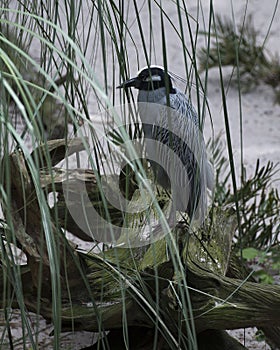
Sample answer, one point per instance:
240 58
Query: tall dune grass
66 59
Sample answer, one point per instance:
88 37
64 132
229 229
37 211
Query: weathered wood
235 303
237 270
54 151
26 215
115 279
80 187
230 304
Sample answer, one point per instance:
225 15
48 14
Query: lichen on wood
141 282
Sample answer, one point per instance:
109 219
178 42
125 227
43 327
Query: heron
174 143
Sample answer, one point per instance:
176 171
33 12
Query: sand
261 116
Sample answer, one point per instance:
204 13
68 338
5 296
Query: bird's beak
133 82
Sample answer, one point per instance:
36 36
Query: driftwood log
106 286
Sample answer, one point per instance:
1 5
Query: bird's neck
154 96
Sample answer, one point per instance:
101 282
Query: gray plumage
173 140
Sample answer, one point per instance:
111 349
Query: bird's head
150 78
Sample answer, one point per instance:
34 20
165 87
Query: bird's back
183 157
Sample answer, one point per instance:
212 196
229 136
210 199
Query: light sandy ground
261 117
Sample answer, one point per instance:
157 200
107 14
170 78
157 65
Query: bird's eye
153 78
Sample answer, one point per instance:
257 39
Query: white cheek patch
153 78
